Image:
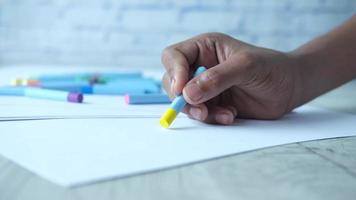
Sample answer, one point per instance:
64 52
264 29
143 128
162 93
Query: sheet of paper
72 152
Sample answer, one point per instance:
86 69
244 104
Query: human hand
241 80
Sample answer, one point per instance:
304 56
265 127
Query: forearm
327 61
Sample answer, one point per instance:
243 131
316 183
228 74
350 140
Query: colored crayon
54 95
146 99
12 91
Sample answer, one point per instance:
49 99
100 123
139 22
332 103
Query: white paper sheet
72 152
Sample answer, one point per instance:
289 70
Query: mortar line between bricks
337 164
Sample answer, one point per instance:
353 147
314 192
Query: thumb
209 84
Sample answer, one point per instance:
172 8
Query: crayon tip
168 117
75 97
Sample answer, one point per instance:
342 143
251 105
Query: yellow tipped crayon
176 106
17 82
25 82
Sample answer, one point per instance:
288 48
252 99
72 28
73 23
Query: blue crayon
177 105
118 89
12 91
130 86
85 89
53 95
107 76
150 85
147 99
61 77
69 82
69 86
114 75
179 102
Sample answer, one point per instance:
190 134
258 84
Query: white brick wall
133 32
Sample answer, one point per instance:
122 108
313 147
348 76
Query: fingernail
194 92
173 84
224 118
195 112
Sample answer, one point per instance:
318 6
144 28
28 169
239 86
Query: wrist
304 75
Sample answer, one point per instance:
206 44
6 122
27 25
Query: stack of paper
103 138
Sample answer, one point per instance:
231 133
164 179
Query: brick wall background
134 32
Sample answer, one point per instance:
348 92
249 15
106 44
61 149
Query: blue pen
177 105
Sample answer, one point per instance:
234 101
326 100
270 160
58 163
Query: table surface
321 169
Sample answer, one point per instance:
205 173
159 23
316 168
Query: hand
242 80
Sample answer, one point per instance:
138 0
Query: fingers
166 82
198 112
177 60
181 59
239 70
221 115
209 84
213 115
